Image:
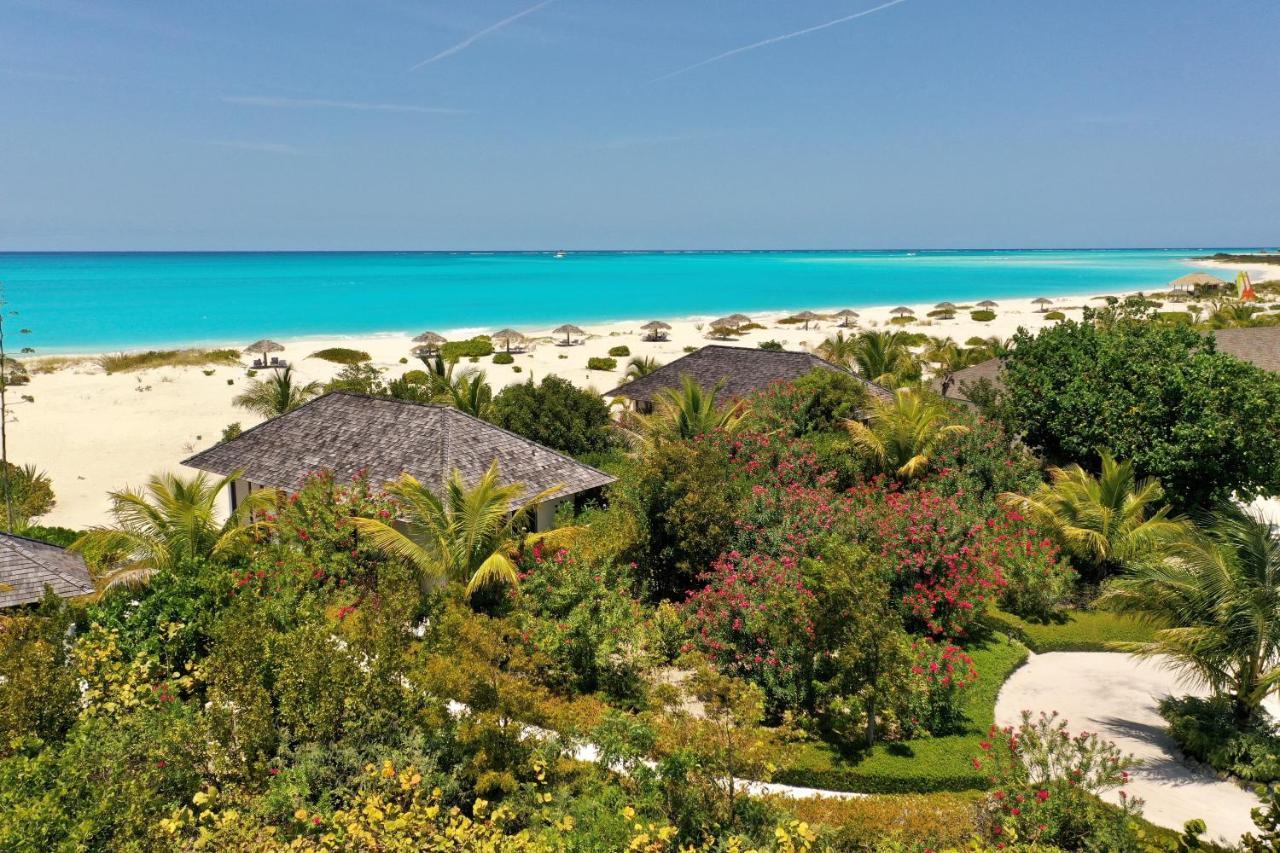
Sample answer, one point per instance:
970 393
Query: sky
575 124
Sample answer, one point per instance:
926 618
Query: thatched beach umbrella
987 303
430 341
807 316
655 328
902 311
846 317
945 306
506 337
738 319
263 346
567 330
1043 303
724 327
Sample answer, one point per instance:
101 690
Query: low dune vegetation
125 362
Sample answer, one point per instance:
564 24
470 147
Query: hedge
1078 630
503 358
1055 315
342 355
620 351
924 765
598 363
982 316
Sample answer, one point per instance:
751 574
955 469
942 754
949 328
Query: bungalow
738 371
28 566
385 438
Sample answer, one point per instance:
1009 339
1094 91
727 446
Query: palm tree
884 358
990 347
467 392
688 412
641 366
168 522
904 434
839 349
1103 522
468 535
1214 596
276 395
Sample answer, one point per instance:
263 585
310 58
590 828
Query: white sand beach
94 432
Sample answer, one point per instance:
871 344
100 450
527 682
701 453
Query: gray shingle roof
738 370
28 565
962 380
349 433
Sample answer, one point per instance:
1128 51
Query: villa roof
1259 345
738 371
27 566
348 433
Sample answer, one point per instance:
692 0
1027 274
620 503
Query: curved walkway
1115 695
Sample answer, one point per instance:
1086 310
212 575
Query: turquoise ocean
88 302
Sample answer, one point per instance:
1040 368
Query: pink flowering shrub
940 672
945 568
1037 579
754 620
1045 787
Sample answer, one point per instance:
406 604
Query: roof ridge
535 445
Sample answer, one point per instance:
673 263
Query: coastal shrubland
342 355
476 347
151 359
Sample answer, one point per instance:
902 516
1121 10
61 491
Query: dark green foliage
38 692
503 358
231 431
982 316
1207 730
620 351
476 347
342 355
598 363
358 379
818 402
1206 424
771 345
29 491
555 413
982 463
60 536
1055 315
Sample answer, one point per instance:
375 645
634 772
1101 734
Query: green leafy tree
468 535
276 395
1215 598
904 434
556 414
38 692
1104 522
1206 424
170 520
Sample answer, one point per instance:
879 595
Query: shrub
231 431
1055 315
1047 785
358 379
771 345
342 355
60 536
476 347
620 351
819 401
982 316
124 362
1037 582
598 363
1207 730
38 693
930 821
1154 394
555 413
416 377
503 358
30 494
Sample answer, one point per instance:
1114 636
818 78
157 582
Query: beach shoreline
95 432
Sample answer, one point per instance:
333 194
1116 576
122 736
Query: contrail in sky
492 28
776 39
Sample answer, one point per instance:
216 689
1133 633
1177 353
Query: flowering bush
944 568
754 620
940 672
1046 784
1037 580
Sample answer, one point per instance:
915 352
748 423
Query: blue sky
437 124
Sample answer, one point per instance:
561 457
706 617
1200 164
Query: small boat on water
558 255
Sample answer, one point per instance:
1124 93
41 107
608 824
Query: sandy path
1115 695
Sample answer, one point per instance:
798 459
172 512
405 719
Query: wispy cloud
472 39
261 147
325 104
774 40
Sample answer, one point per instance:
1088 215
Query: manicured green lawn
1080 631
927 764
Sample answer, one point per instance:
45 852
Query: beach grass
124 362
53 363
